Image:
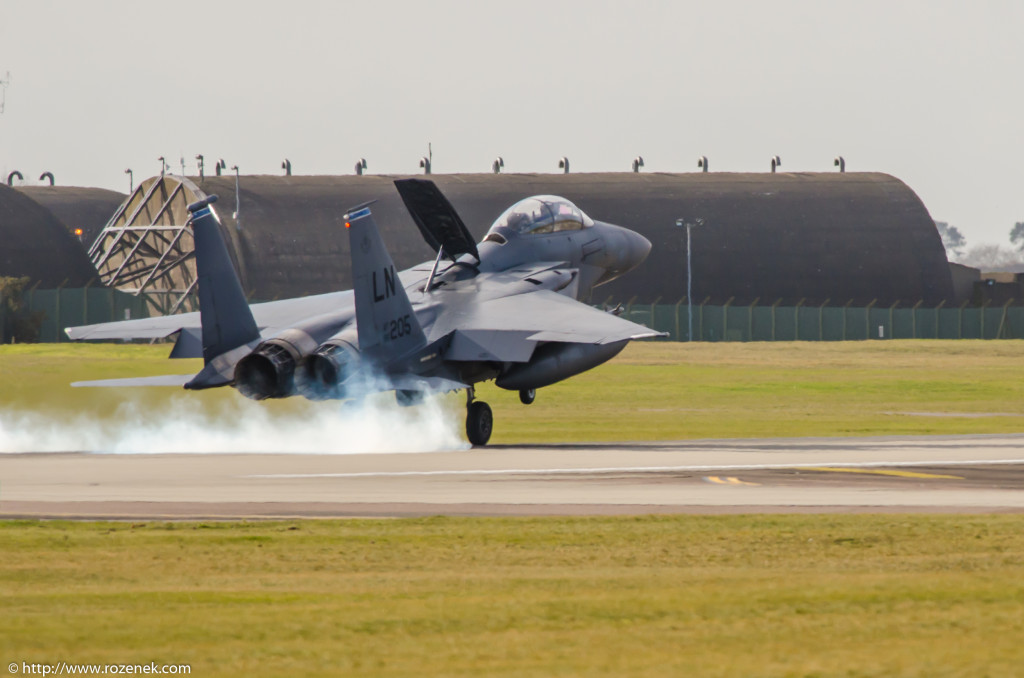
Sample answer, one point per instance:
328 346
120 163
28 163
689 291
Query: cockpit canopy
541 214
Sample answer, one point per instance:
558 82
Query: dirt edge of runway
133 510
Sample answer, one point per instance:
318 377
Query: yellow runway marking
882 472
727 481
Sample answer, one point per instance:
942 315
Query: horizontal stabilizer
142 328
178 380
437 220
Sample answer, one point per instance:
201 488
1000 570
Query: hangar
77 207
818 237
35 243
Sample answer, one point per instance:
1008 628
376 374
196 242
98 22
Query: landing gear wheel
479 423
527 396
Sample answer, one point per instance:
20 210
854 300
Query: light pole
238 202
689 274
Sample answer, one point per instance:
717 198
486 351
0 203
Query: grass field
652 391
651 596
770 596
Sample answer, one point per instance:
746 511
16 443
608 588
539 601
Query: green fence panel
808 323
970 323
832 325
71 310
903 326
1014 327
737 323
639 314
761 324
785 324
991 322
665 321
711 324
99 305
949 323
926 323
46 302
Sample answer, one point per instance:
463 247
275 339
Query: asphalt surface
936 474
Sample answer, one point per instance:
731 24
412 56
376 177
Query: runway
974 473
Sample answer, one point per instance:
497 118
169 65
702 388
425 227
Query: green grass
650 596
825 595
652 391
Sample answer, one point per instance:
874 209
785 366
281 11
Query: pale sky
929 91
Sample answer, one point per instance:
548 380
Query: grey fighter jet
506 309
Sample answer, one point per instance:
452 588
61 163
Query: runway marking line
883 472
718 480
637 469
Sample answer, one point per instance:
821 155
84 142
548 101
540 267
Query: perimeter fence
50 311
56 309
828 323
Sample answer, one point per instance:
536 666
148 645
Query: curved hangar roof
37 244
789 236
78 207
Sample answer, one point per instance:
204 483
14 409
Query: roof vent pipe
200 166
702 163
131 180
287 167
360 166
563 164
776 162
425 164
840 162
47 175
638 162
10 177
163 165
498 165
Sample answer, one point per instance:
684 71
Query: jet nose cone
639 248
633 248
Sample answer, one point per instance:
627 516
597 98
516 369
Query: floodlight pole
238 202
689 274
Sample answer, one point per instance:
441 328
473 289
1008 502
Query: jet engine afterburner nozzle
324 373
267 372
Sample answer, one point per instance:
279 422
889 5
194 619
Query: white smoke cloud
186 425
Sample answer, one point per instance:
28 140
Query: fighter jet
505 309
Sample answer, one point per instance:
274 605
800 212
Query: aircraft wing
509 328
270 317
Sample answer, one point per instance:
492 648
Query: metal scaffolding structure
147 246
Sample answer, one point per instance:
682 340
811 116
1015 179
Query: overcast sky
928 91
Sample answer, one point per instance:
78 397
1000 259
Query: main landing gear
479 419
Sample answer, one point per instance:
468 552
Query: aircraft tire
479 423
527 396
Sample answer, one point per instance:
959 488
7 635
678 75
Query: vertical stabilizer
385 320
223 310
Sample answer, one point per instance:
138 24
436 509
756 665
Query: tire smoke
239 425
